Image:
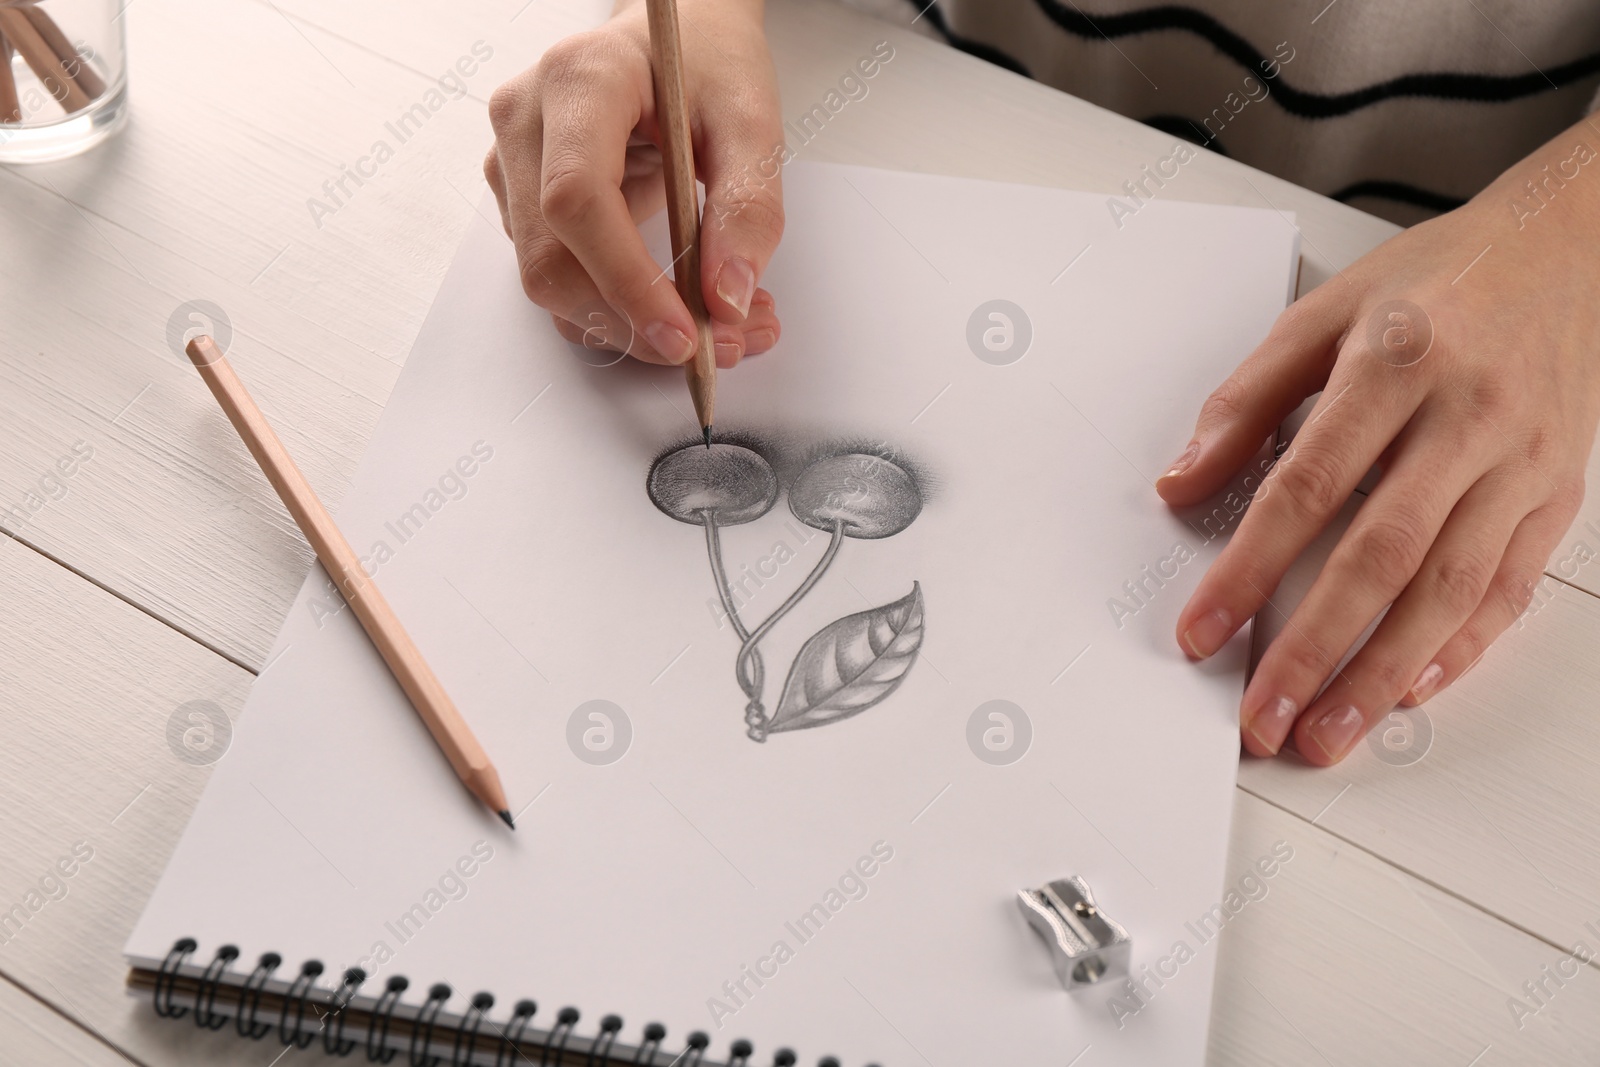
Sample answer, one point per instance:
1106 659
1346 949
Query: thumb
742 166
1291 364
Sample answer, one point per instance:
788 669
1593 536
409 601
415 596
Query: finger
1445 592
762 328
551 276
1447 584
607 332
1378 558
1356 417
497 184
604 330
1292 363
646 196
1508 596
583 166
741 161
758 333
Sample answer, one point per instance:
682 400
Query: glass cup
63 77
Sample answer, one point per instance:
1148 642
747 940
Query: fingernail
1184 461
728 353
1335 731
736 284
1269 724
1207 634
669 341
1426 682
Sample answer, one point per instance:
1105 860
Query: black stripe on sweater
1400 192
929 10
1450 86
1188 129
1179 126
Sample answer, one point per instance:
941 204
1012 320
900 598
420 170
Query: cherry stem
748 650
752 687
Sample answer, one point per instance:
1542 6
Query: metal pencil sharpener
1086 947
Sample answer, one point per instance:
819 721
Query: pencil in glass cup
427 695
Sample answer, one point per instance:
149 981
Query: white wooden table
1420 899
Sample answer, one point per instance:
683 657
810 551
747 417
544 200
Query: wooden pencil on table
683 200
427 695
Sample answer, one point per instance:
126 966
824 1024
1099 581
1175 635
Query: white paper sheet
655 885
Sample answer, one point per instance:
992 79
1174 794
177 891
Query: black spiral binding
167 977
600 1051
331 1008
695 1046
205 994
250 998
333 1039
467 1032
382 1017
566 1019
654 1034
296 1000
437 995
511 1036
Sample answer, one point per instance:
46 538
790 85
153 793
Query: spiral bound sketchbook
786 724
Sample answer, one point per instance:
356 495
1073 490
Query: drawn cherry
724 485
868 496
852 494
728 483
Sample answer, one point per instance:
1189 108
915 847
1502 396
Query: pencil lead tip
506 815
707 432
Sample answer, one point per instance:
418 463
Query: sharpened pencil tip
506 815
708 436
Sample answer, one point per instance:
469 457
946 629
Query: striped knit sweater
1404 108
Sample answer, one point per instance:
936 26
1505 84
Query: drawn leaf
851 664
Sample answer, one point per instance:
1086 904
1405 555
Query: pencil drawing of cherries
854 662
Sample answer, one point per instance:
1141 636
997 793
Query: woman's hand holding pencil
576 166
